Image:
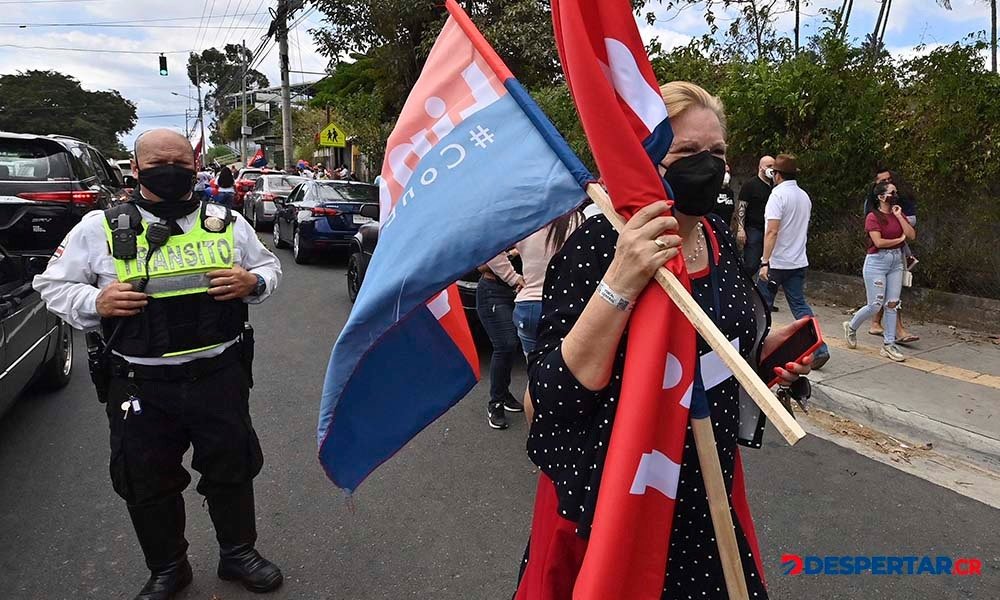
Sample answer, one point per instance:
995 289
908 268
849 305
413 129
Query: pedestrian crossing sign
333 136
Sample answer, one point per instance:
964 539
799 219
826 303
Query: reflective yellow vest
181 318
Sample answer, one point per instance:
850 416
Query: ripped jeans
883 273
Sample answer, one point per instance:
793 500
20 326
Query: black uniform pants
208 410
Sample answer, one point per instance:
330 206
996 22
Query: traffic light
163 66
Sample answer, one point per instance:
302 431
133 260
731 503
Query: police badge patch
216 217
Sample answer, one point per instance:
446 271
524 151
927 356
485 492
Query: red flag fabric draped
626 123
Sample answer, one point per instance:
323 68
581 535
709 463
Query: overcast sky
201 24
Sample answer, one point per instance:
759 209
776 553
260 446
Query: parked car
47 183
363 246
246 179
321 215
259 203
125 166
35 345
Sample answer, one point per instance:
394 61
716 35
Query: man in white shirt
784 262
168 278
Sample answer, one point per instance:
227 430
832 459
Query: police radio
157 235
123 244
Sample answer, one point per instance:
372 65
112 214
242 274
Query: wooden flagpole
718 507
745 374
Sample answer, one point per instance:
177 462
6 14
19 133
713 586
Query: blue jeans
752 251
495 307
883 273
526 316
793 281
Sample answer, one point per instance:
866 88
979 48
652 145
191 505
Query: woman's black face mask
696 181
169 182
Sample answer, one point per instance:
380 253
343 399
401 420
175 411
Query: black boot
160 529
232 512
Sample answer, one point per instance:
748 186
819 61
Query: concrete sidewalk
947 393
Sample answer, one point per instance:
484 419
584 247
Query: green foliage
934 119
222 71
216 152
229 128
44 102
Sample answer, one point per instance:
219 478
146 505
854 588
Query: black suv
363 246
47 183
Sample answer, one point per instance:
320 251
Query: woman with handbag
888 230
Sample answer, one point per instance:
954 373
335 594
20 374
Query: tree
50 102
222 71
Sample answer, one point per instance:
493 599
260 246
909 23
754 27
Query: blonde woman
575 372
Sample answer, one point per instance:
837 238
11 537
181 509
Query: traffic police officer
168 280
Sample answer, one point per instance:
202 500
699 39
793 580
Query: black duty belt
194 369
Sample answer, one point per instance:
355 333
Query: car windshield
283 184
251 175
32 160
348 192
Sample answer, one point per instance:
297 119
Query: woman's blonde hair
682 95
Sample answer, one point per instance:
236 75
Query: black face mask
696 181
169 182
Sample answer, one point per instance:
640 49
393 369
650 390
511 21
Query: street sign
333 136
246 130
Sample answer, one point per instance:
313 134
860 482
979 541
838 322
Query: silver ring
660 244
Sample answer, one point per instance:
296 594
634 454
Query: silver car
258 204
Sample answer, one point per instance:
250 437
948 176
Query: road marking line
927 366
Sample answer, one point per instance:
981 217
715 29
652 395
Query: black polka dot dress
572 427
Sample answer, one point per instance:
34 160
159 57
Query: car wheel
253 219
277 236
301 257
354 276
57 372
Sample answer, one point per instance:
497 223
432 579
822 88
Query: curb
915 427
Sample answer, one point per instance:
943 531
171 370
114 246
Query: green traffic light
163 66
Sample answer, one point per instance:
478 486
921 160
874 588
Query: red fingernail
777 370
789 366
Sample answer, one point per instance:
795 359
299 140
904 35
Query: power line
44 1
109 26
222 23
62 49
201 23
130 21
211 11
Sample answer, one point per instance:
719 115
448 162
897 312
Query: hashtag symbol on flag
482 136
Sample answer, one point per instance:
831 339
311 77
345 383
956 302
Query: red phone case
812 348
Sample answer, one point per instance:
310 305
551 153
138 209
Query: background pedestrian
784 261
750 215
226 190
887 229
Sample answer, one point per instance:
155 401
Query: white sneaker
851 335
892 352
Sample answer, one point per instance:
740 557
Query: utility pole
796 26
243 101
201 114
281 33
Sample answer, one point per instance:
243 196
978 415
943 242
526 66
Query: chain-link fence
957 245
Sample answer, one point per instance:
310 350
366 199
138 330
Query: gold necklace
698 246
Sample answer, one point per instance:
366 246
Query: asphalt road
445 519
